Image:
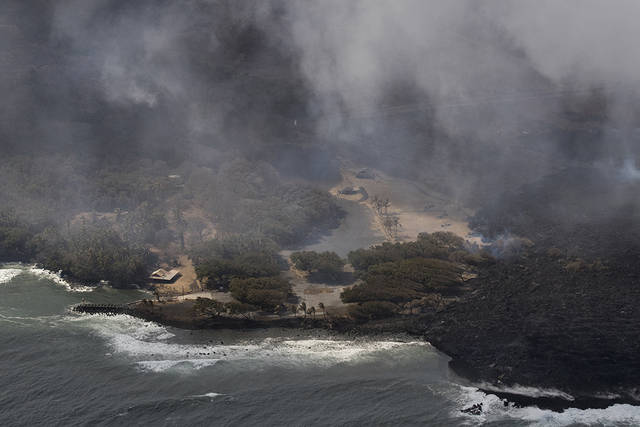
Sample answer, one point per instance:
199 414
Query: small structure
349 191
176 180
163 276
365 174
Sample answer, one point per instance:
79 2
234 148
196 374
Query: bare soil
418 208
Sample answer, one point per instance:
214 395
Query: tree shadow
337 279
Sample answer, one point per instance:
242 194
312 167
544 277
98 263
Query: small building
349 191
365 174
176 180
163 276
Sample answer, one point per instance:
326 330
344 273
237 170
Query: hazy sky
464 89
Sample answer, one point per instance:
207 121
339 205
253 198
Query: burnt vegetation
565 305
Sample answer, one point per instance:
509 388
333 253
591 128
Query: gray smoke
470 96
495 76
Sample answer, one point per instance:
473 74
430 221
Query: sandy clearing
186 283
313 294
223 297
418 208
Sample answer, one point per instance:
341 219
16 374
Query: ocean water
66 369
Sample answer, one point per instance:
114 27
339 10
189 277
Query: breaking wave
528 391
152 348
9 271
495 411
7 274
211 395
41 273
185 364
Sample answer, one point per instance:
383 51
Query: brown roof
164 275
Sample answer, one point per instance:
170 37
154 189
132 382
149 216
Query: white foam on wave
209 395
151 348
11 270
163 365
494 410
527 391
7 274
41 273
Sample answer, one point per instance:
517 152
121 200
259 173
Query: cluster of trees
266 293
309 310
405 280
219 261
213 308
93 218
250 197
128 186
57 187
390 223
440 245
259 294
16 237
372 310
320 265
91 254
86 253
394 274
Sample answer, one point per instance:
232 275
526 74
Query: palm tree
324 310
386 203
387 223
303 308
396 223
156 293
378 204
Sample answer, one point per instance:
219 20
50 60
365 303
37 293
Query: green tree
208 307
268 293
321 266
303 308
324 310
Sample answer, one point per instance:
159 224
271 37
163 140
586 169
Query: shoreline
491 350
518 395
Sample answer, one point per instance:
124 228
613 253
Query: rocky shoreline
504 371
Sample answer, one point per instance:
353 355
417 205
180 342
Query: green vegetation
219 261
267 293
97 220
406 280
321 266
56 187
250 197
92 223
87 253
16 237
208 307
397 273
440 245
93 254
372 310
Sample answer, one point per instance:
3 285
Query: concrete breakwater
111 309
181 314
